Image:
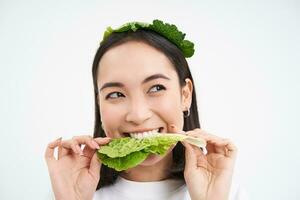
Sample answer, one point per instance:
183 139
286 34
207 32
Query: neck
156 172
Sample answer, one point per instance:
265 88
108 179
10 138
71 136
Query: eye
114 95
157 88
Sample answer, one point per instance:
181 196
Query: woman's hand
208 177
76 172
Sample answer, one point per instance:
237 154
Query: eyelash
158 85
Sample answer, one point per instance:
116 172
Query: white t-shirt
169 189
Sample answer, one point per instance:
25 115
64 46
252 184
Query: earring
186 113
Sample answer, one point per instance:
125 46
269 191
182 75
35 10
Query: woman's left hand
209 176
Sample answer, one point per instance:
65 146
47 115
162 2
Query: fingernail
95 144
172 126
204 150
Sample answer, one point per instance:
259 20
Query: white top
168 189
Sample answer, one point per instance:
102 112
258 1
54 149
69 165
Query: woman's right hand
75 173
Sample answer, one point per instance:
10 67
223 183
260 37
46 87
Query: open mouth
141 135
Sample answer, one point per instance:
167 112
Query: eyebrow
150 78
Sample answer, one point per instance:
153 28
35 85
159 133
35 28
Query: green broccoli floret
171 32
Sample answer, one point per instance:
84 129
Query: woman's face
139 91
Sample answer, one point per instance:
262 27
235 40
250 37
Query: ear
186 94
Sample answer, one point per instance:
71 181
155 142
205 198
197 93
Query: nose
139 112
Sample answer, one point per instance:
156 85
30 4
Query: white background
246 71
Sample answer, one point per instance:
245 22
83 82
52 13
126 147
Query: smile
145 134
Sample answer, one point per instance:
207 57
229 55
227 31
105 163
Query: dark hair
108 175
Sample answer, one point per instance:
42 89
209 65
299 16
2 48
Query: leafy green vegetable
127 152
123 163
124 28
169 31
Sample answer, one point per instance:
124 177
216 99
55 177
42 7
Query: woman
143 83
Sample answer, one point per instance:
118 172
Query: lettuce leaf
123 163
124 153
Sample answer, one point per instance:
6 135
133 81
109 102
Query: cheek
111 117
169 109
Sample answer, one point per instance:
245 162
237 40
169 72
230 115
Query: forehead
133 61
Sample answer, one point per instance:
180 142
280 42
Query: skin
135 106
140 105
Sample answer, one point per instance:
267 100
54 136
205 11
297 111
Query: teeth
144 134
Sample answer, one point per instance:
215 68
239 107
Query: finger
203 134
218 148
62 152
190 156
49 153
172 128
215 143
77 141
88 152
71 146
209 138
102 141
95 167
204 150
232 150
229 148
213 147
86 139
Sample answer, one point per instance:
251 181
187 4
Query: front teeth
144 134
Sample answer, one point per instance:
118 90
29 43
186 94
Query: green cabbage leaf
124 153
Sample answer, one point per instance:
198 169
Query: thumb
95 166
190 156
